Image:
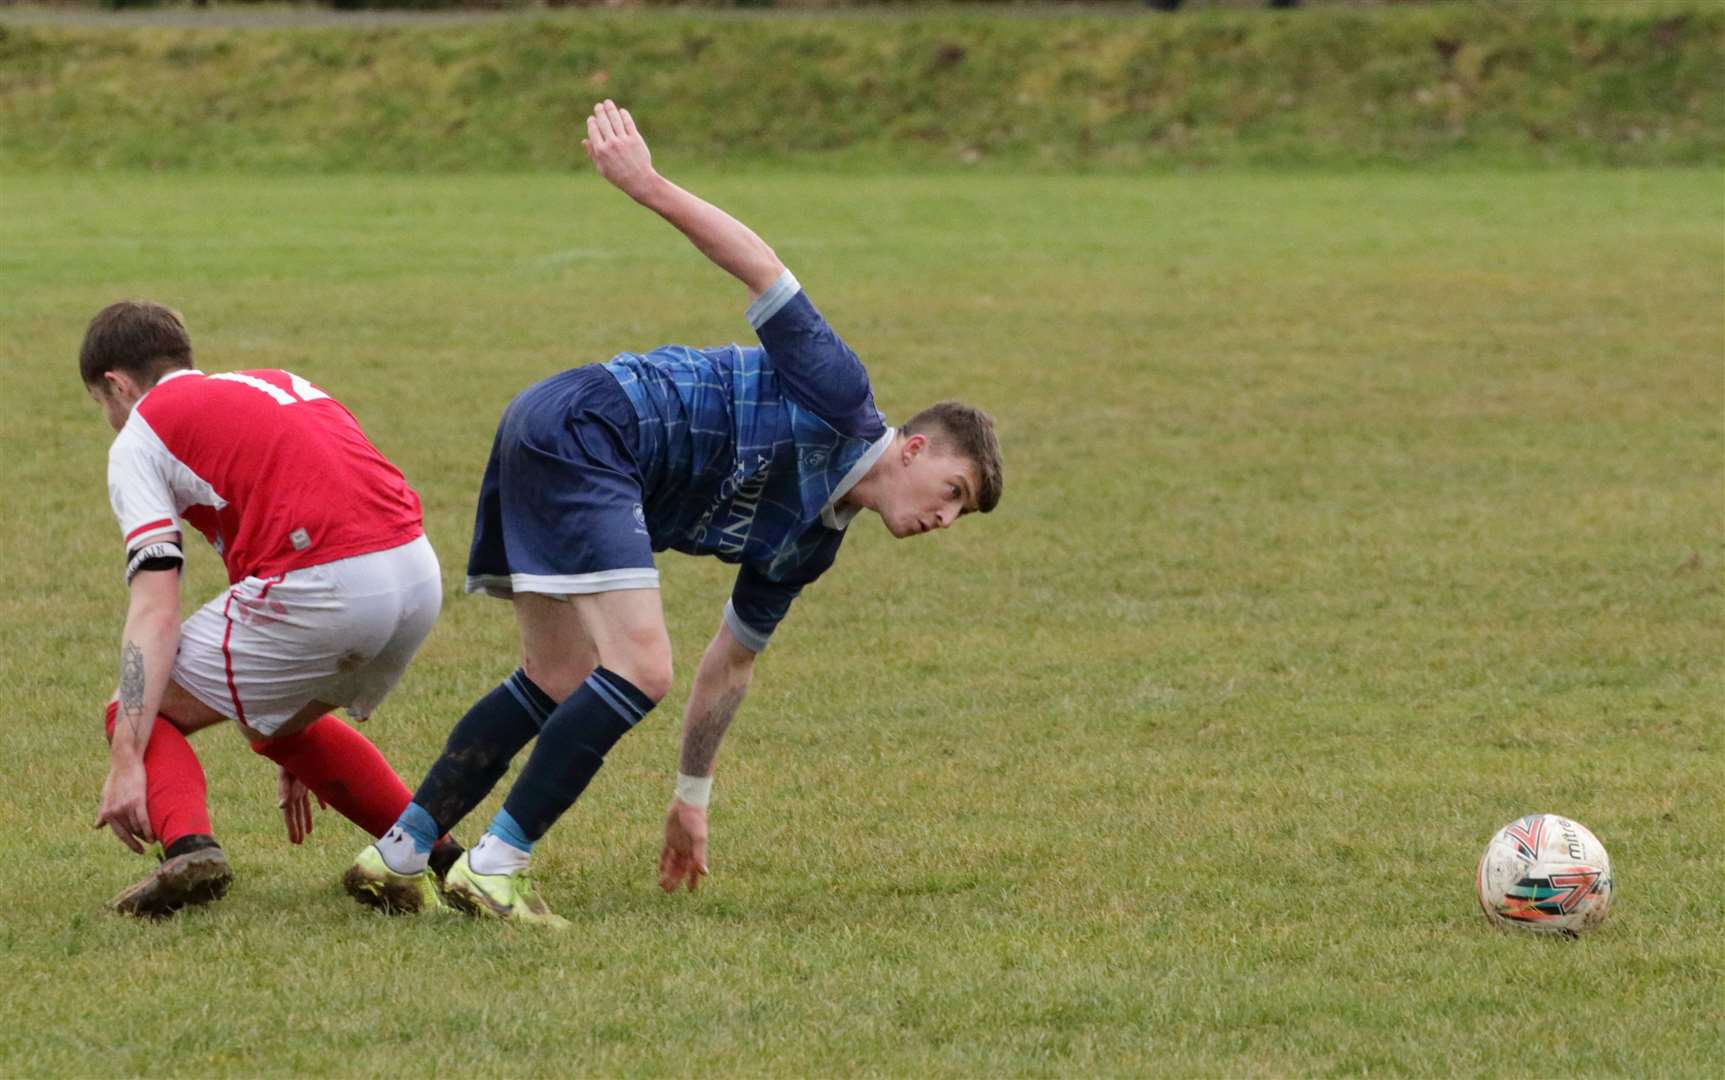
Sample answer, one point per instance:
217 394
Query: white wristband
694 791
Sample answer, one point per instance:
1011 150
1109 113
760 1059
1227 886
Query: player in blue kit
759 456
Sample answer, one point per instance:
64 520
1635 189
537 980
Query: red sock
174 791
343 768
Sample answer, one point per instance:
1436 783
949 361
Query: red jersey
273 471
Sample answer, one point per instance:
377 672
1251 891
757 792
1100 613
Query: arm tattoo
701 735
132 685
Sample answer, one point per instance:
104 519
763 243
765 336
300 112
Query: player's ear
913 447
116 383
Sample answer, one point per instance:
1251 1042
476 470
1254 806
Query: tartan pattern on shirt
741 449
732 468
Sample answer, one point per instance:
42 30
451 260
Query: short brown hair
138 337
964 431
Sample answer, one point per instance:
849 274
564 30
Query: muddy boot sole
478 905
387 897
371 883
197 877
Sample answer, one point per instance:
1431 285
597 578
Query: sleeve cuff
747 636
768 303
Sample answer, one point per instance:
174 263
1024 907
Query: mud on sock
571 749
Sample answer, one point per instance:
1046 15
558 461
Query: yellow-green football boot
370 881
510 897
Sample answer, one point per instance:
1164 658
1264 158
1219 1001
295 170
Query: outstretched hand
618 151
123 810
294 801
684 857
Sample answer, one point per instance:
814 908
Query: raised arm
620 154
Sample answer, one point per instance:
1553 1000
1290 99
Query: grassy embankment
1624 84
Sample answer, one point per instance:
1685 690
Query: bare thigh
563 640
556 652
190 715
187 712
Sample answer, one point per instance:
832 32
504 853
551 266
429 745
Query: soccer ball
1546 874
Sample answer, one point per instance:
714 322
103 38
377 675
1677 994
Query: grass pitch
1347 518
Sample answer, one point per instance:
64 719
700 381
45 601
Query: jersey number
302 390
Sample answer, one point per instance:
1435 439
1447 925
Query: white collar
169 377
831 515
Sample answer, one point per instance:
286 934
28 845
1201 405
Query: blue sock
419 827
570 750
507 829
478 754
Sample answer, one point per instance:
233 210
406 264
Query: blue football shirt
745 452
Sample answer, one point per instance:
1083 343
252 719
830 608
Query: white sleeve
767 304
138 486
747 636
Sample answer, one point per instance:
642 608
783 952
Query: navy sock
480 749
571 748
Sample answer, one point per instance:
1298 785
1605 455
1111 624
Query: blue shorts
560 508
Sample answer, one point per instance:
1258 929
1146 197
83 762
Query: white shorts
341 633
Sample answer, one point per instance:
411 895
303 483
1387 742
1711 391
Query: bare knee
556 651
623 631
652 679
559 676
647 665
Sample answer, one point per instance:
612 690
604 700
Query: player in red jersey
333 586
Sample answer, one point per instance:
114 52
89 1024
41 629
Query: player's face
932 492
